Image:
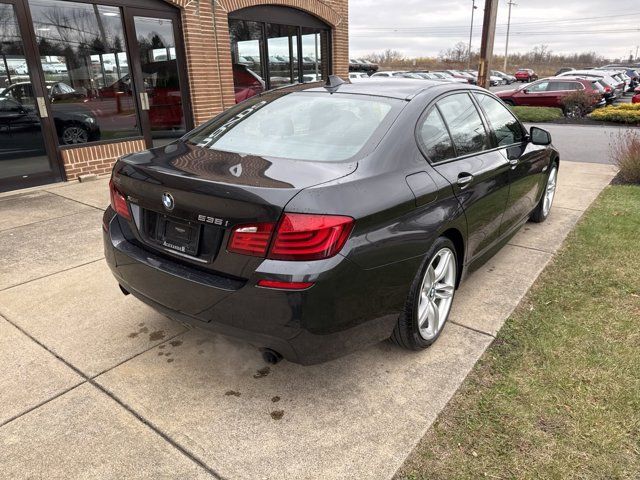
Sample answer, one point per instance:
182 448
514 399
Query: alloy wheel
436 293
550 191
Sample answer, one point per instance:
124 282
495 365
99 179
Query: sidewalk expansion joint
39 221
51 274
113 397
77 201
481 332
531 248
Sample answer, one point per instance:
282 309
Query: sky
425 27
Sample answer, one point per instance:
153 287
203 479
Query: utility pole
506 48
488 38
473 9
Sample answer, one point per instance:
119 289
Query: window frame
434 104
485 121
493 132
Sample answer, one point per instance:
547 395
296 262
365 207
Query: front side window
86 67
465 124
505 126
538 87
434 138
301 126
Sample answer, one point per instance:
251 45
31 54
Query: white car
358 76
388 74
602 74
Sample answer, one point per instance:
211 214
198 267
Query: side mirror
524 90
539 136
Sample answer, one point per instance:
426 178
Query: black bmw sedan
314 222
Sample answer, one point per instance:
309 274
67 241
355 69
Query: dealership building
82 83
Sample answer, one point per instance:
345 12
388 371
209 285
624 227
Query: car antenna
333 83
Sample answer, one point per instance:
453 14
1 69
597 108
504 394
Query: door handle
144 100
42 107
514 163
464 179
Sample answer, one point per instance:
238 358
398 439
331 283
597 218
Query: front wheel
430 298
543 209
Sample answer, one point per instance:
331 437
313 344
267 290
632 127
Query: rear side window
505 126
562 86
301 126
434 138
465 124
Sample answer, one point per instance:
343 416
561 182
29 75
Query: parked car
526 75
494 81
388 74
358 76
280 236
18 115
549 92
635 98
564 70
246 82
363 66
459 74
507 79
448 78
616 84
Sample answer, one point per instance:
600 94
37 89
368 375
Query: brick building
82 83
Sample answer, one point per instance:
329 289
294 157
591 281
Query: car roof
403 89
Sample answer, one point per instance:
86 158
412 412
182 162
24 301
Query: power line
539 22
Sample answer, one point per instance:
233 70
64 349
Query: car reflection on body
312 222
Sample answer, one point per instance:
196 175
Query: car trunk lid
185 199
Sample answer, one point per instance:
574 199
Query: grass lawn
557 395
537 114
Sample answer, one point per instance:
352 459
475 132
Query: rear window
301 126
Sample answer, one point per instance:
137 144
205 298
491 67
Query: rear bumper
348 308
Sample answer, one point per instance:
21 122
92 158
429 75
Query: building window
86 67
276 46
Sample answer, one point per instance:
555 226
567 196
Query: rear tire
428 305
541 213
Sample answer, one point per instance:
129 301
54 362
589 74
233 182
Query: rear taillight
251 239
118 202
309 237
298 237
280 285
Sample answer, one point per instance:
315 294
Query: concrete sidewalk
94 384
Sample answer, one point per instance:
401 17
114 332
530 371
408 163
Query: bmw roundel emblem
168 202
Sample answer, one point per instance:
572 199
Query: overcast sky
425 27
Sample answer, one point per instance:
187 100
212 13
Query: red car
526 75
636 96
549 92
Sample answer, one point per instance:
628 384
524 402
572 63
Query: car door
527 162
533 95
478 174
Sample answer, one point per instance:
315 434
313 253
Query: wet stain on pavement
157 335
141 324
232 393
277 414
263 372
169 360
275 399
176 343
162 347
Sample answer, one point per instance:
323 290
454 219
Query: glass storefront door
25 156
75 73
160 76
